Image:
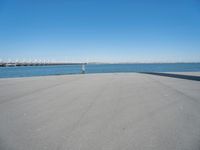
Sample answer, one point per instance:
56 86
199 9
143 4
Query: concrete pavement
100 112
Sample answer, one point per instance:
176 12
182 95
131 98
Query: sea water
29 71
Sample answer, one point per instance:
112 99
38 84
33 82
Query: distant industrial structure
13 64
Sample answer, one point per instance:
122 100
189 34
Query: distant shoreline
28 64
96 63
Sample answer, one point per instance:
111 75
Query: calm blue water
8 72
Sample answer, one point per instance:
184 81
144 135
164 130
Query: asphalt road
119 111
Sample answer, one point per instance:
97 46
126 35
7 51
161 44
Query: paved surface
127 111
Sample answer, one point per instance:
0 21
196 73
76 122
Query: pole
83 69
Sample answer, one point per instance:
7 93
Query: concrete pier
117 111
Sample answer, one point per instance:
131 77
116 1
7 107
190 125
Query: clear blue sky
100 30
